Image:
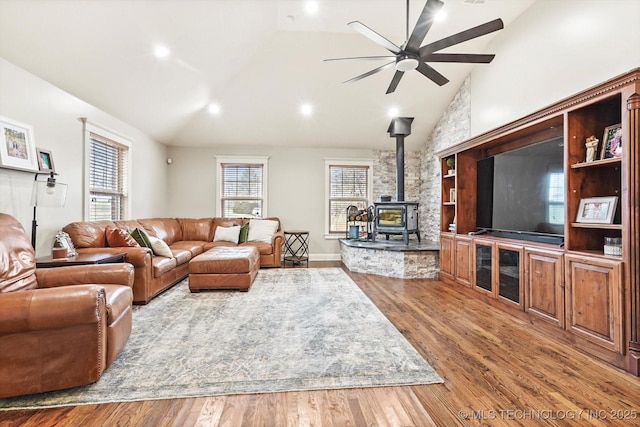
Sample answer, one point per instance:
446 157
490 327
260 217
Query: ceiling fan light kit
411 56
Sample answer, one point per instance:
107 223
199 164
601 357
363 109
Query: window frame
246 160
343 162
109 134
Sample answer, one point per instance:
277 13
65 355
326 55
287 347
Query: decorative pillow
159 247
141 237
244 233
118 238
227 234
262 230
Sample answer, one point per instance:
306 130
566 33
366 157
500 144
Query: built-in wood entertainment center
562 282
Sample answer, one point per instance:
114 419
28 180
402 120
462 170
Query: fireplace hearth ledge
392 258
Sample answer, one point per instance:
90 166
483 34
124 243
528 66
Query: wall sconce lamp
46 194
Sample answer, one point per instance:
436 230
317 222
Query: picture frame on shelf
597 210
612 142
45 160
17 146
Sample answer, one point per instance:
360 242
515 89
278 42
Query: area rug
296 329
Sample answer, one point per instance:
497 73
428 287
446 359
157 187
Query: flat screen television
520 193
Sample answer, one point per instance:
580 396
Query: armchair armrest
42 309
105 274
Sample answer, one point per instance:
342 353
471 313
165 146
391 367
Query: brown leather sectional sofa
186 237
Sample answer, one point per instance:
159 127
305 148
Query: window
107 180
241 189
348 182
556 198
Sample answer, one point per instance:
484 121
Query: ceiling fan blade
471 58
369 73
432 74
463 36
423 24
362 58
394 81
372 35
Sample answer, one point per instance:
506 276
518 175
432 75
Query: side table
80 259
296 247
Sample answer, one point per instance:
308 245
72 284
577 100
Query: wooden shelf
453 175
596 163
449 203
597 226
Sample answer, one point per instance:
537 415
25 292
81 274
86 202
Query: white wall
555 49
296 186
54 115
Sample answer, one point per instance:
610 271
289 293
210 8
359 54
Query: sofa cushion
263 248
227 234
195 247
167 229
181 255
161 265
160 247
88 234
118 238
262 230
196 229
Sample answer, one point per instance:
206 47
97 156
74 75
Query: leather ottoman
224 267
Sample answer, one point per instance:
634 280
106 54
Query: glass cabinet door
509 274
483 267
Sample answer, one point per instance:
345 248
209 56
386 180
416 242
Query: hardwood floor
496 371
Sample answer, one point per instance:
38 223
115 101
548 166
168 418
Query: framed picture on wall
45 160
17 148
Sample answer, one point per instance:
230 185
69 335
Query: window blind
242 190
348 185
108 180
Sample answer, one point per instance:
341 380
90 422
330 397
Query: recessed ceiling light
214 109
311 7
306 109
440 15
393 112
161 51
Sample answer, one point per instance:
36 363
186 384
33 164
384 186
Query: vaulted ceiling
258 60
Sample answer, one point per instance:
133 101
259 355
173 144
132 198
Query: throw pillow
262 230
159 247
141 237
244 233
118 238
227 234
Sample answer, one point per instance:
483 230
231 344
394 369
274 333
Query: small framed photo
597 210
45 160
17 148
612 142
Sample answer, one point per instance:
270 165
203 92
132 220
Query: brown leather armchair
59 327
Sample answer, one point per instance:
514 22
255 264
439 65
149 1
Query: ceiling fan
411 56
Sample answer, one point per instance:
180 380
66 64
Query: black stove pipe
399 128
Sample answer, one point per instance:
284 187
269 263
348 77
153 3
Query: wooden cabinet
447 256
594 300
463 264
562 277
544 285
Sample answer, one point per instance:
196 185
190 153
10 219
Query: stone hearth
392 258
